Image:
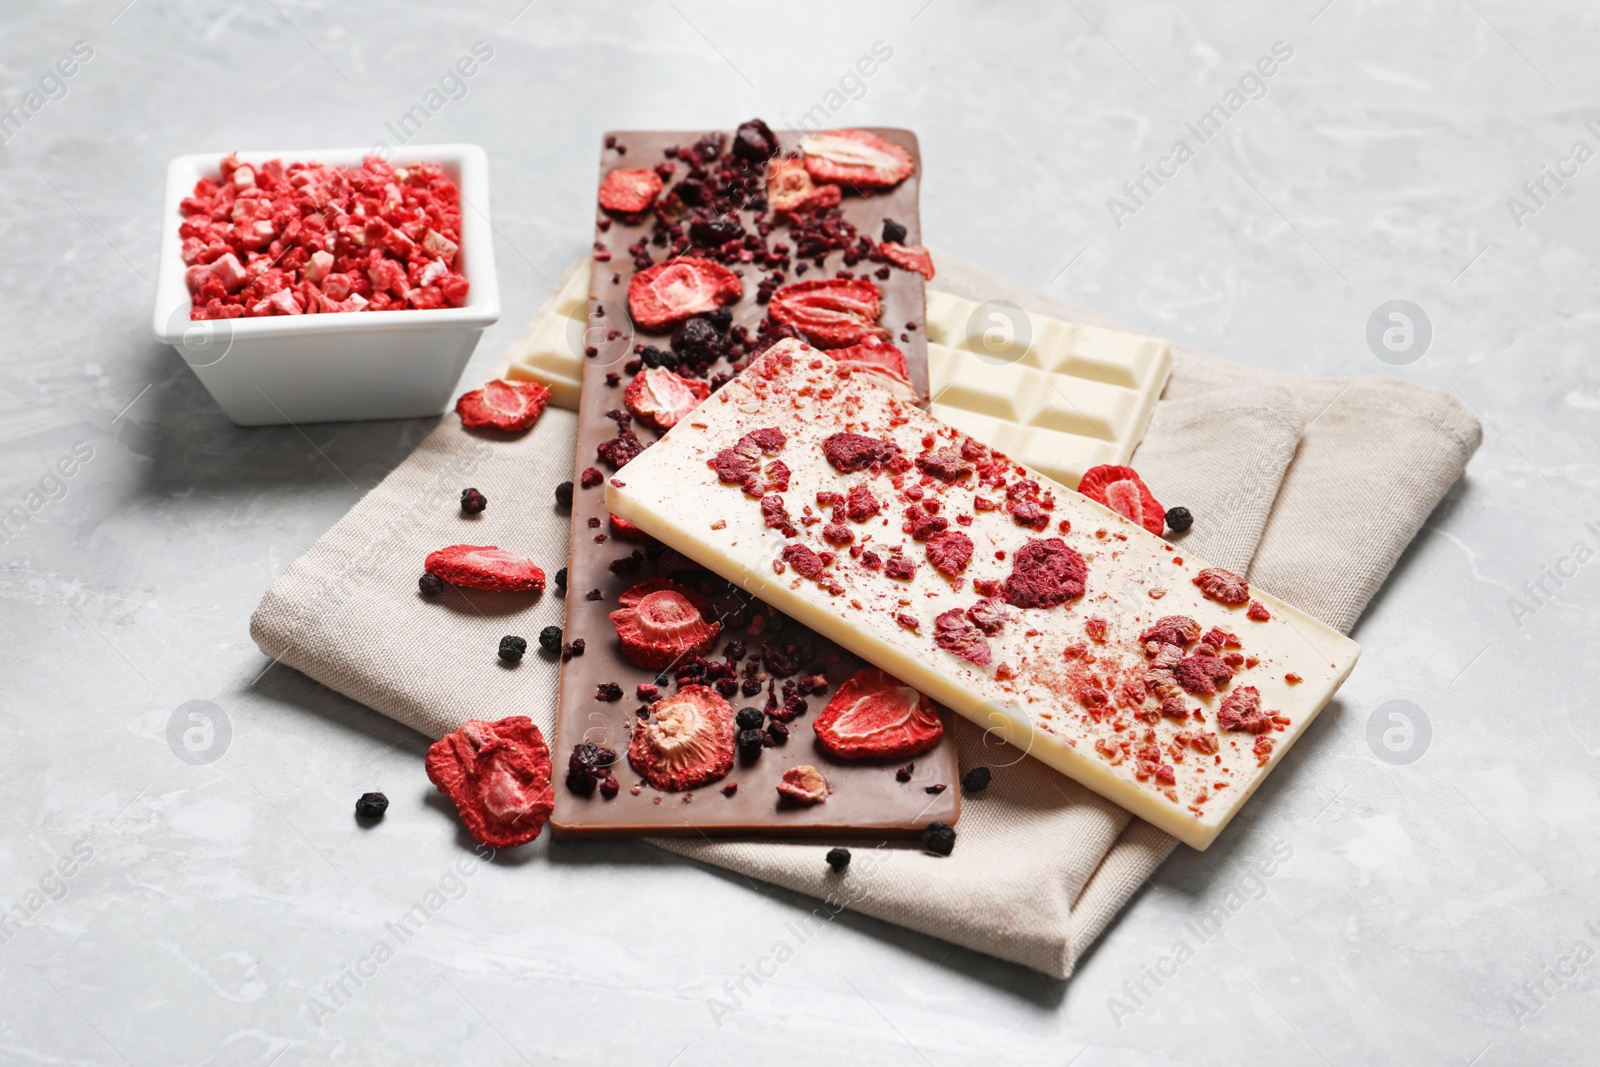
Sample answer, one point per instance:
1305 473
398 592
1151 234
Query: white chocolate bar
1058 396
1058 681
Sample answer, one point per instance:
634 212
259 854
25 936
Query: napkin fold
1312 487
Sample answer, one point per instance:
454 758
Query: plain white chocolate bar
1058 396
1166 686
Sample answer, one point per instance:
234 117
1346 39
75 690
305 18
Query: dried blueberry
904 773
561 580
472 501
778 733
713 233
838 858
749 718
976 780
512 648
371 806
1179 519
550 639
893 232
722 318
430 584
564 494
698 341
750 743
939 839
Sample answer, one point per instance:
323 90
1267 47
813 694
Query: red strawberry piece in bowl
830 312
910 257
1123 491
497 774
501 405
669 293
856 158
875 716
485 567
686 742
661 397
629 191
790 190
660 622
874 355
803 785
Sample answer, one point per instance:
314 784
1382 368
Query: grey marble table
1432 899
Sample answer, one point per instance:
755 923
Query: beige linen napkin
1313 487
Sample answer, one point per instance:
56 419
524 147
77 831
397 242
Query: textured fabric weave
1312 487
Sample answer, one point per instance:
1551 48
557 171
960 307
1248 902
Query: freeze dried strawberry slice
497 774
911 257
660 397
1224 586
627 531
501 405
1045 573
668 293
661 622
1178 630
629 191
875 356
874 715
957 634
1241 710
803 785
851 452
687 740
856 158
1123 491
949 551
790 190
830 312
484 567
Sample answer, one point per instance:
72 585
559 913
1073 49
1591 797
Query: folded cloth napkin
1311 487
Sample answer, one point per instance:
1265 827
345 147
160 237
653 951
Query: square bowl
333 366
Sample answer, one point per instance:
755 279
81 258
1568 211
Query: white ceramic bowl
347 365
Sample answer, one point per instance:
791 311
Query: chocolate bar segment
758 657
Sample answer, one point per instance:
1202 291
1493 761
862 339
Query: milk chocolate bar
1165 685
689 228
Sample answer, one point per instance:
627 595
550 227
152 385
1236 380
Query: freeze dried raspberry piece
1027 513
1178 630
1045 573
957 634
946 464
629 191
661 622
668 293
660 397
686 742
803 785
989 615
1123 491
900 568
860 505
497 774
910 257
617 452
790 190
852 452
739 465
1201 674
874 356
502 405
949 551
830 312
875 716
922 526
1257 612
1241 711
484 567
806 562
1222 586
856 158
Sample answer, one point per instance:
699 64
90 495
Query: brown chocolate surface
867 800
